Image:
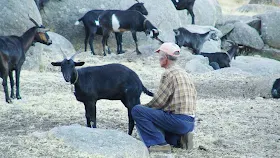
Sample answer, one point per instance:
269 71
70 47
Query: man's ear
79 63
56 63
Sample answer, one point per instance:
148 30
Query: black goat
41 3
90 18
195 41
12 55
185 4
222 58
275 92
112 81
119 21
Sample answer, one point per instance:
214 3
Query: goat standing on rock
128 20
193 40
91 28
96 82
12 55
185 4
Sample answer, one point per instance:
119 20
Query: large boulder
257 8
207 12
14 16
270 29
245 35
100 142
273 2
61 16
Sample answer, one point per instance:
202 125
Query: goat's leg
90 108
118 42
118 36
136 42
130 121
86 38
91 38
4 83
17 83
91 43
104 41
12 83
192 14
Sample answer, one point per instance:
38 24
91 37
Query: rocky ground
226 126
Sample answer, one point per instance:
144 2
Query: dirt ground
225 127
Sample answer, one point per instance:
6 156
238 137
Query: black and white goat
185 4
129 20
223 59
275 91
91 28
96 82
194 41
12 55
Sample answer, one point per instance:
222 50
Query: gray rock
273 2
61 16
101 142
229 20
14 16
198 64
202 29
245 35
257 8
225 28
270 29
39 58
203 16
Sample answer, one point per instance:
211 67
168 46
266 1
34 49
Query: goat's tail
146 91
78 21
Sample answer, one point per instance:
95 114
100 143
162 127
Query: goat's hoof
104 54
18 97
92 53
139 53
13 96
9 101
121 52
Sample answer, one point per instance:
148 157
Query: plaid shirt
176 93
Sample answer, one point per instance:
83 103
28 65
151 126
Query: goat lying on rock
185 4
112 81
128 20
192 40
91 28
12 55
275 92
223 59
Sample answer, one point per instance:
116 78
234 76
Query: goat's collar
76 78
144 23
228 55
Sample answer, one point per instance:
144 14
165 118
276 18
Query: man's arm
164 92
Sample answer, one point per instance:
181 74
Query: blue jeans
150 122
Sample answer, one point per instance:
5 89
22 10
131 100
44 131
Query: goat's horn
137 1
64 55
73 56
44 29
33 21
231 42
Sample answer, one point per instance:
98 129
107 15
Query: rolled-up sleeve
165 90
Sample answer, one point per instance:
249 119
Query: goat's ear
79 63
56 63
177 32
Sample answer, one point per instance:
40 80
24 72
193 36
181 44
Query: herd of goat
94 83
